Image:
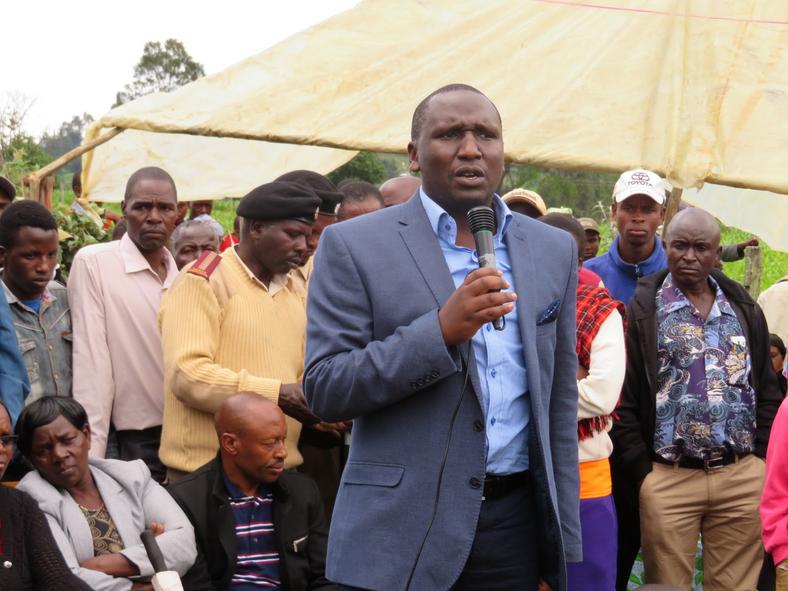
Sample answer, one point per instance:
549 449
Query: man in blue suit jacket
463 466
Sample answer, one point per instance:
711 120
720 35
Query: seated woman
98 508
29 557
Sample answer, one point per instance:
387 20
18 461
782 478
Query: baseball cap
7 187
589 224
527 197
639 182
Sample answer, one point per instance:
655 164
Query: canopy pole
34 180
671 207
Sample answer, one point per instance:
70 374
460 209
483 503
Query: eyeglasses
8 440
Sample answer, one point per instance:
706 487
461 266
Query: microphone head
482 218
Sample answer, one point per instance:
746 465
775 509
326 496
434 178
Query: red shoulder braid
205 264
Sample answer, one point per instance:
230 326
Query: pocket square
550 313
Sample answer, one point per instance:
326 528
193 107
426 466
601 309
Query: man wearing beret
236 322
330 198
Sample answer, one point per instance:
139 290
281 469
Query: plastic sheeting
760 212
202 167
695 90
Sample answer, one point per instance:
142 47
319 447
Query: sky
73 57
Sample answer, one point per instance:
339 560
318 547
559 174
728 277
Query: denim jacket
45 341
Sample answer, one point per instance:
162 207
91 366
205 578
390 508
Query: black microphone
483 224
163 579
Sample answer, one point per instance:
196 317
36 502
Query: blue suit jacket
375 354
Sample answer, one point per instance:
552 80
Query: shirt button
478 426
492 421
493 373
475 482
489 327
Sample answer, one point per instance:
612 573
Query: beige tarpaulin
696 90
202 167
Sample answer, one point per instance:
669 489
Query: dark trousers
628 513
505 551
143 445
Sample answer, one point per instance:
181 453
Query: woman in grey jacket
98 508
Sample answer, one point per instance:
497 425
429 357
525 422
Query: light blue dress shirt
499 354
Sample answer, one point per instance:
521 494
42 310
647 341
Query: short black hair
567 223
777 342
76 180
42 412
20 214
148 173
355 191
420 114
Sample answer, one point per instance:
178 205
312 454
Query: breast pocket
28 349
373 474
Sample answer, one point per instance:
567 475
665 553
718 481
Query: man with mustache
236 322
257 525
115 289
696 410
463 467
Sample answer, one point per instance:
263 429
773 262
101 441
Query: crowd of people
346 356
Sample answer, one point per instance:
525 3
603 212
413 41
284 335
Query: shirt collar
46 297
438 216
134 262
675 299
277 283
233 492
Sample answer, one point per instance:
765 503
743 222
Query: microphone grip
154 552
486 253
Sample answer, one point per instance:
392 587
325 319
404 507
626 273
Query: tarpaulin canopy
694 90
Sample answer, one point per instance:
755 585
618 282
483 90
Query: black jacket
28 548
299 528
633 433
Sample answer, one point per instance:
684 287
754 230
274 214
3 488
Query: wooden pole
36 177
671 207
753 264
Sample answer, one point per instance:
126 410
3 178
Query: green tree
68 136
161 69
365 166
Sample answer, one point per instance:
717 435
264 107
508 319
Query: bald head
238 412
399 189
695 221
692 245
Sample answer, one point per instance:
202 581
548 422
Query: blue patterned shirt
499 354
705 405
257 562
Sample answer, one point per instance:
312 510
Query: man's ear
413 157
229 443
662 213
2 256
123 207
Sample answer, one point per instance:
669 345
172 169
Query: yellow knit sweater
224 334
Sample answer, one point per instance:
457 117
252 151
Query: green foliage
83 231
161 69
365 166
68 136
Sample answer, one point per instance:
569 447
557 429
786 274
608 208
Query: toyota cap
639 182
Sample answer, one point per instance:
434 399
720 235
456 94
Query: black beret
280 201
7 187
330 198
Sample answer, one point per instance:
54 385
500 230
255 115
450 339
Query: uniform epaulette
205 264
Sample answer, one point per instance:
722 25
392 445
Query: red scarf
594 305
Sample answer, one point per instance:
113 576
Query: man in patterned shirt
697 407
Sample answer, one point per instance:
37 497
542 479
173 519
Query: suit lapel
524 272
424 248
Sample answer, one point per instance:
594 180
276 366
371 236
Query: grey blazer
375 354
134 500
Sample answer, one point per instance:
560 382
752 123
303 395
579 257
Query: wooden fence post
753 264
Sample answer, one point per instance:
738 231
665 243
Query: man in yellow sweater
236 322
